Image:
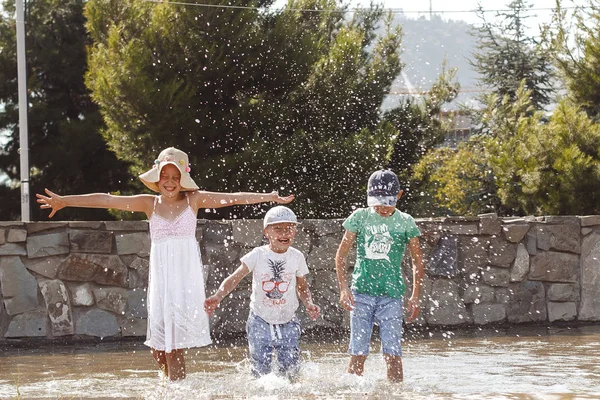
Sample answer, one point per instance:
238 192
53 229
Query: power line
359 9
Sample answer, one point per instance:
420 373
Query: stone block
322 257
564 237
495 276
58 307
589 309
563 292
531 243
589 220
46 266
502 295
111 299
49 244
514 233
247 232
99 268
520 268
564 311
445 306
131 327
443 261
133 243
478 293
139 226
2 236
19 287
96 322
561 220
12 249
35 227
27 325
81 294
136 304
460 229
472 254
85 224
88 241
484 314
553 266
17 235
490 225
527 303
139 272
502 253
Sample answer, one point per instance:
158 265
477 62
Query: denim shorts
387 312
263 338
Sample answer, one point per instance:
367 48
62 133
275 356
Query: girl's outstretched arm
139 203
204 199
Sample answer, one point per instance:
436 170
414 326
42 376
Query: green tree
260 100
506 56
67 153
576 48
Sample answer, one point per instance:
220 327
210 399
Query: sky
464 9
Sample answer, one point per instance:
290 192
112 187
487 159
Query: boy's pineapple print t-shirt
380 245
274 297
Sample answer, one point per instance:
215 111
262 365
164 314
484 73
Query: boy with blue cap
382 233
278 281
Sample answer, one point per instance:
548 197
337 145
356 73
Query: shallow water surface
538 364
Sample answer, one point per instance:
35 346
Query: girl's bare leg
161 359
394 368
356 365
175 365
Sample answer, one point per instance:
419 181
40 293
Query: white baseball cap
279 214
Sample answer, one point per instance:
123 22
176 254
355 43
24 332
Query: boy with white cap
278 280
382 233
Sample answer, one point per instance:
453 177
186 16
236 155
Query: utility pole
23 130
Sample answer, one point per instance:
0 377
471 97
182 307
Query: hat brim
280 222
381 200
150 178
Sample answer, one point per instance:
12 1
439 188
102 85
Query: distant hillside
425 45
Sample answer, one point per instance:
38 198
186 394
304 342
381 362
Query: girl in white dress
176 316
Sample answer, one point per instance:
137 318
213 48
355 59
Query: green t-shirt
380 245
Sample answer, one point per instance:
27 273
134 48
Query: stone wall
82 279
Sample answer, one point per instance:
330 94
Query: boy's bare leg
356 365
161 359
394 368
175 365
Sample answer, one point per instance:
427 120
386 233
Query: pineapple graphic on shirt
277 267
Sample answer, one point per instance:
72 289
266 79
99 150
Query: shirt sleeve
250 259
302 266
353 222
412 229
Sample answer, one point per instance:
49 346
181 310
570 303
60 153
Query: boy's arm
204 199
304 295
346 298
226 287
417 263
140 203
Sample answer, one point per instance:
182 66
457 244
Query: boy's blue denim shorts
263 338
387 312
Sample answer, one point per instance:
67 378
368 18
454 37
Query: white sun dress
176 316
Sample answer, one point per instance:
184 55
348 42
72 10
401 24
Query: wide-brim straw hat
175 157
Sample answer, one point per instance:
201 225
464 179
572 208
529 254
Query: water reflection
534 364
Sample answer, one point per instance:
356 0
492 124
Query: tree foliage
67 153
260 100
506 56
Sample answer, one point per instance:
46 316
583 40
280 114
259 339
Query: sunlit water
534 364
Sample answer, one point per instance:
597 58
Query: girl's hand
211 304
313 311
282 200
53 201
